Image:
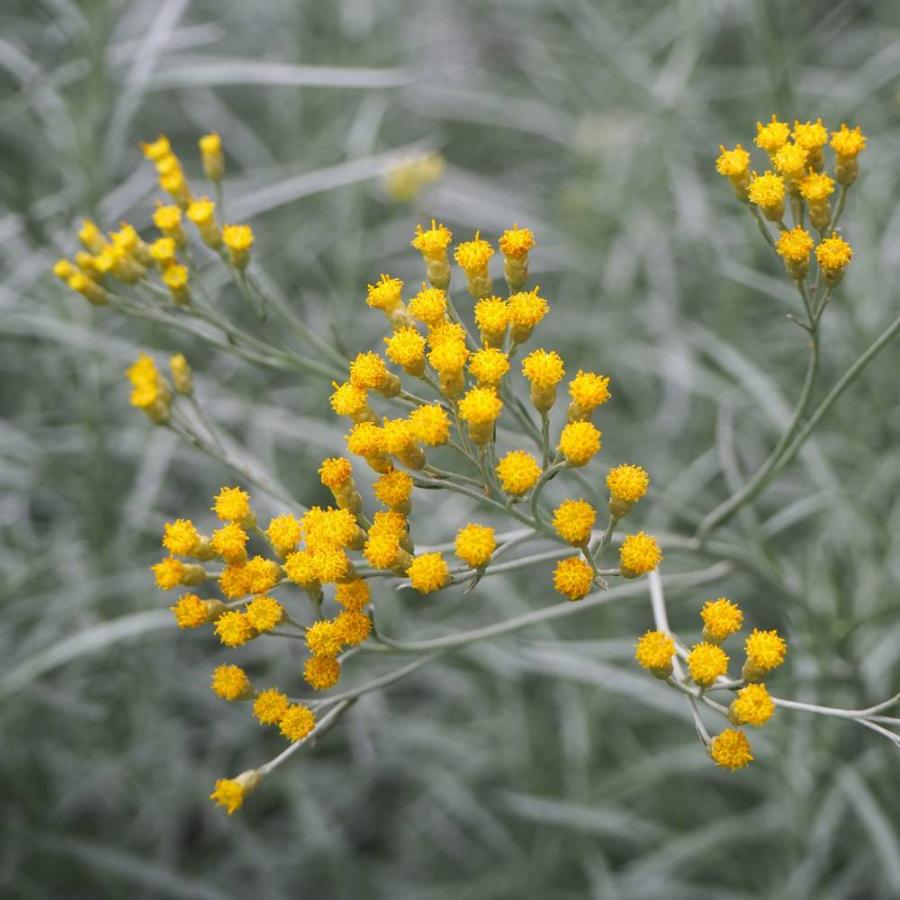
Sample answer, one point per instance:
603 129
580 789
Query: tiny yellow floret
428 573
752 706
707 662
385 294
474 544
721 618
265 613
573 521
234 628
730 749
239 241
639 554
232 504
579 442
284 533
518 472
230 792
231 683
834 255
431 424
270 705
488 366
297 722
322 638
573 578
765 651
321 672
181 537
772 136
654 651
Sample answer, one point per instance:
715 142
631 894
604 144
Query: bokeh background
540 765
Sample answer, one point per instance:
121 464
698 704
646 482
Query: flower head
297 722
429 306
488 366
810 135
627 483
767 192
544 369
733 163
302 567
230 683
321 672
752 706
449 357
654 651
579 442
639 554
234 629
233 505
573 521
790 161
431 424
765 650
516 242
406 347
322 638
518 472
526 309
848 143
473 256
230 542
720 619
284 533
730 749
353 595
264 613
394 489
192 612
474 544
366 439
385 294
587 391
573 578
433 242
238 239
428 573
794 245
260 575
772 136
707 662
368 371
480 406
349 400
834 255
816 187
353 627
230 792
492 319
181 537
270 705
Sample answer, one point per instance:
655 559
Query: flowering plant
445 409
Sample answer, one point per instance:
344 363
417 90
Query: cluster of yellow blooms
707 665
798 174
125 257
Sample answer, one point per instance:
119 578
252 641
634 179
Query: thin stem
545 438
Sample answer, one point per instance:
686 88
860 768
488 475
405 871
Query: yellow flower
573 521
752 706
449 357
230 542
730 749
573 578
269 706
431 424
810 135
334 564
385 294
234 629
383 551
720 619
394 489
428 572
322 638
406 347
231 683
765 651
162 251
284 533
150 392
433 242
474 544
480 408
791 162
429 306
639 554
446 332
349 400
767 192
353 595
654 651
234 582
518 472
239 241
707 662
297 722
516 242
202 212
171 572
353 627
233 505
368 371
492 319
401 441
579 442
526 309
261 575
733 163
192 612
212 157
626 484
265 613
302 567
367 440
587 391
473 256
181 537
230 792
182 376
848 143
544 370
336 472
772 136
168 220
321 672
158 149
834 255
794 247
488 366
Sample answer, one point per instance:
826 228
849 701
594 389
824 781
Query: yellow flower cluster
707 665
798 175
125 257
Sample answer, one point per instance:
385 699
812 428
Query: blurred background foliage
541 765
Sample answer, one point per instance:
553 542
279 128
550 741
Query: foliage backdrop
545 764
